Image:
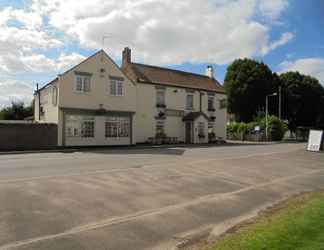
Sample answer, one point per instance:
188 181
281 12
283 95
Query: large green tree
247 82
302 100
17 111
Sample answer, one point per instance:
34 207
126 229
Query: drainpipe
38 94
200 101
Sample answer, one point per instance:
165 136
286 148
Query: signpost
315 140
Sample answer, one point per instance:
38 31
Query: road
144 198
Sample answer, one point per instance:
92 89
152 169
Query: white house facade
98 103
93 103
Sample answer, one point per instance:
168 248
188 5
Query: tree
17 111
247 82
302 100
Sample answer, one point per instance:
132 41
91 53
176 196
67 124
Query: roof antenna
103 43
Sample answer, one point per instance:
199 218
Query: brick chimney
210 71
127 57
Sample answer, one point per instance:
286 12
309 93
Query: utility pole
266 118
267 113
279 111
39 100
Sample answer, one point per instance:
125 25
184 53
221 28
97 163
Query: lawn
295 225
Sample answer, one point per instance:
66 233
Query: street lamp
274 94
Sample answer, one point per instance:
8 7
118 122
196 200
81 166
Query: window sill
160 105
81 93
116 95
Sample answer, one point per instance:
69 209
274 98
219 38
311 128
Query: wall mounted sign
315 140
174 112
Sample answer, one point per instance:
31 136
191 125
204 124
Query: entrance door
188 132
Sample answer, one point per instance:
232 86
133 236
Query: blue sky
39 40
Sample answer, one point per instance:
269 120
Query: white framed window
160 97
83 83
116 87
117 127
211 105
88 128
80 126
190 102
201 128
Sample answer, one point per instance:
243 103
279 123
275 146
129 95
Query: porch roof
194 115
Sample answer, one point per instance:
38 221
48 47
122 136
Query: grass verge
297 224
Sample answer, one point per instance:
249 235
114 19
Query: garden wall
27 136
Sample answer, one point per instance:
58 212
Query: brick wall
27 136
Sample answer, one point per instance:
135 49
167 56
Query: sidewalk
139 146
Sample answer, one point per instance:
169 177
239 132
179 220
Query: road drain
138 166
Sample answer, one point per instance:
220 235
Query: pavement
159 198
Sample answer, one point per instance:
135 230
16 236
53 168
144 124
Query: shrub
241 130
276 128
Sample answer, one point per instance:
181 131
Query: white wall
100 87
46 101
175 99
99 138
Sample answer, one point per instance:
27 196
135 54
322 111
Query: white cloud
21 45
309 66
273 8
158 31
168 32
40 63
284 39
12 90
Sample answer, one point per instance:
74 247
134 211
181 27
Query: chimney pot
210 71
127 57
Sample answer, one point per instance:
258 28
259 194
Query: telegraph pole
279 111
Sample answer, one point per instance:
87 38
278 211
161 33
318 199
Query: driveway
144 198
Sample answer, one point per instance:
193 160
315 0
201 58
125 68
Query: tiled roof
170 77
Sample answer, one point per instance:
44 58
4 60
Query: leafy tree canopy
17 111
302 100
247 82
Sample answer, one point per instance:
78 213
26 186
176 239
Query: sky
40 39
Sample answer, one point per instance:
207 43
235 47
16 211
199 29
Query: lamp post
274 94
279 111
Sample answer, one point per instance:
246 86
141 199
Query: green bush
240 130
276 128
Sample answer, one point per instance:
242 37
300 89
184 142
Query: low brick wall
27 136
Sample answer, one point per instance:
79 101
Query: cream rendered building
188 107
93 103
98 103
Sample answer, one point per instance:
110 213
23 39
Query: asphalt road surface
144 198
